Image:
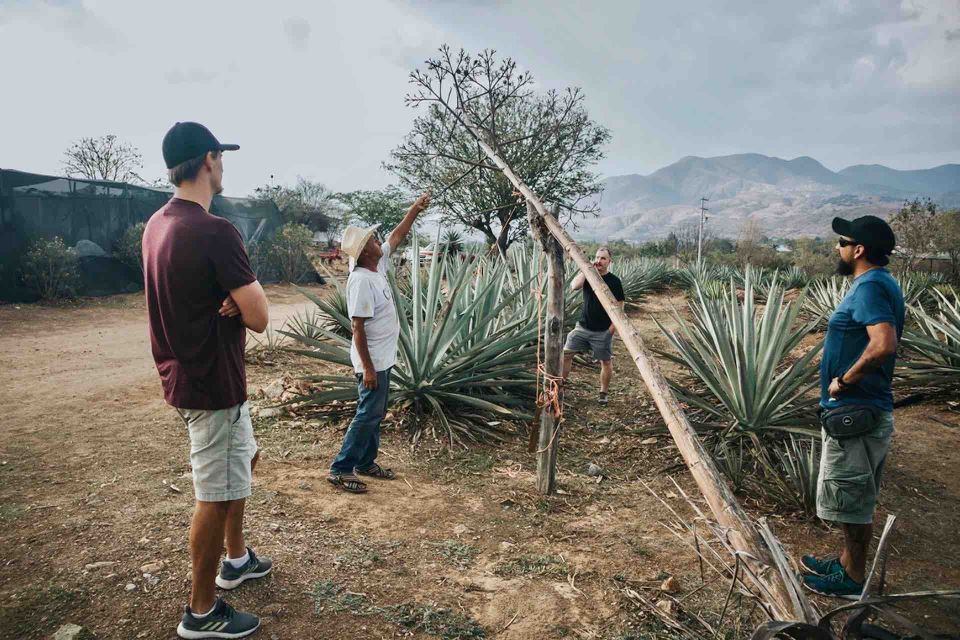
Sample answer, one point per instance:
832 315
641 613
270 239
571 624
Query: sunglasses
846 243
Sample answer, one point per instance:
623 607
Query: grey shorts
850 471
222 448
599 342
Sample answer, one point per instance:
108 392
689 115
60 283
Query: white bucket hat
355 239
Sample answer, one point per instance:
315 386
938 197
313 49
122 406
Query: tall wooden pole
786 599
553 355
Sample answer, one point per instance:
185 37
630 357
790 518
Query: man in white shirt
373 351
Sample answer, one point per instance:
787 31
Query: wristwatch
841 383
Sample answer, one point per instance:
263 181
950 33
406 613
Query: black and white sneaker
223 622
230 577
603 398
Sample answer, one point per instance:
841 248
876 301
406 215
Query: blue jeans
362 440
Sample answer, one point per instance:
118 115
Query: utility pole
703 218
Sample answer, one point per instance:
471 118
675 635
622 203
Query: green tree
916 227
548 139
948 240
385 207
815 256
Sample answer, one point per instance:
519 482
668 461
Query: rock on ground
71 631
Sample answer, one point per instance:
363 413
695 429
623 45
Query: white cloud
317 88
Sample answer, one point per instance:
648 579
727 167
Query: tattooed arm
883 344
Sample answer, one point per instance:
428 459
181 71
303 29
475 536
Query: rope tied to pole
550 391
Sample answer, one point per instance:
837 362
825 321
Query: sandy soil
94 469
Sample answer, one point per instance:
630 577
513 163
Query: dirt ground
95 484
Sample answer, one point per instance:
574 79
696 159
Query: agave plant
642 276
933 343
452 242
743 357
794 278
467 351
790 470
698 273
527 263
306 322
330 313
823 296
919 287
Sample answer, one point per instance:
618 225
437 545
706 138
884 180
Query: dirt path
90 456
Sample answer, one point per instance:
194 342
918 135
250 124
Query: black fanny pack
849 421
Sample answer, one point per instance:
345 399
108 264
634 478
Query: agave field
468 339
468 353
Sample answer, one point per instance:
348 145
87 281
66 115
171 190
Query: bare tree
103 158
307 202
684 238
548 139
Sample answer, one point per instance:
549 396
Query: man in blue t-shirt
857 370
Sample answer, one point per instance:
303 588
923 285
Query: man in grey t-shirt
373 350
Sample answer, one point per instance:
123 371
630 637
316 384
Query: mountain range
788 198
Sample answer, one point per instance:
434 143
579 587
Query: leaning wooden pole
549 398
786 600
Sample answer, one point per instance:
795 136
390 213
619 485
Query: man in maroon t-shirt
202 296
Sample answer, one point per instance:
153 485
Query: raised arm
398 235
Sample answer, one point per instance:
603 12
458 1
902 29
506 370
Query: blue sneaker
835 585
223 622
818 567
231 577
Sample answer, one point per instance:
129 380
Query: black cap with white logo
187 140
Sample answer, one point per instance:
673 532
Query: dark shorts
599 342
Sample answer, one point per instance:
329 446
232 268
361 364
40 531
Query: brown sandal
376 471
349 483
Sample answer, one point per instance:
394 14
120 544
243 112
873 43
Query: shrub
285 254
50 269
129 249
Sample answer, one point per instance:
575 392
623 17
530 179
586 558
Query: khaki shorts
850 471
222 448
583 339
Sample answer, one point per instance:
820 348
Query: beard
844 268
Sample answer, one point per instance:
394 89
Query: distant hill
788 197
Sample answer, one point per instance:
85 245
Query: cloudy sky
316 88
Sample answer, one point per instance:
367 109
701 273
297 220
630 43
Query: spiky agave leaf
467 349
919 287
642 276
824 295
743 358
933 341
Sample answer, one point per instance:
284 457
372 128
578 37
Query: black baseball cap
870 231
187 140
